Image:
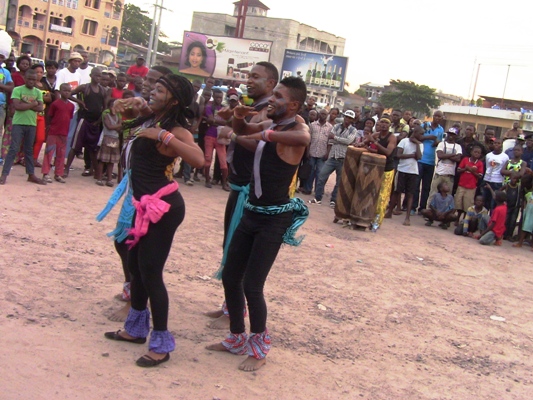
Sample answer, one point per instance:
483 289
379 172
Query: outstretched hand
241 112
225 113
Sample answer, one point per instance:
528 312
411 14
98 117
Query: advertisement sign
319 71
220 56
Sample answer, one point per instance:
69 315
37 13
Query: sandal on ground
34 179
47 178
146 361
59 179
110 183
116 336
428 223
99 182
86 172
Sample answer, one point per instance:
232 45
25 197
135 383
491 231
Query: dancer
161 137
261 82
270 218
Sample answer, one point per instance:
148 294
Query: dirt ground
404 313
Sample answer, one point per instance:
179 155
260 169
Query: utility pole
241 18
151 40
157 31
505 86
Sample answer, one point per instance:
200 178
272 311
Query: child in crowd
514 167
109 152
409 151
476 218
527 211
512 192
59 114
495 161
470 170
441 207
496 228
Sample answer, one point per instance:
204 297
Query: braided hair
178 114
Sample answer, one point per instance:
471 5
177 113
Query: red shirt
60 113
467 179
116 93
134 71
499 214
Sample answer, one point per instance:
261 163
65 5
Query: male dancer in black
263 78
270 218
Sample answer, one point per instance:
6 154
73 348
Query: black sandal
116 336
146 361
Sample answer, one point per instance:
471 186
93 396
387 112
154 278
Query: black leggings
252 252
228 214
147 259
122 251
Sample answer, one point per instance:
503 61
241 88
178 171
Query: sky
439 44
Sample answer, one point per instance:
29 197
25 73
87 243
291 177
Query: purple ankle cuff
138 323
161 342
259 345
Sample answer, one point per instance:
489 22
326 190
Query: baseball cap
111 72
75 56
521 137
453 131
140 57
233 97
349 114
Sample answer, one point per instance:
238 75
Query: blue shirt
527 156
5 78
428 155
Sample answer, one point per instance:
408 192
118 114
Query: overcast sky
428 42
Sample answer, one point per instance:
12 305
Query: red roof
254 3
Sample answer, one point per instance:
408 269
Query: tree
407 95
136 27
361 92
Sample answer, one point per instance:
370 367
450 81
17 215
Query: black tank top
389 164
276 178
150 170
94 103
242 165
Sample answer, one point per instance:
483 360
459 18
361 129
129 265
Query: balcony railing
22 22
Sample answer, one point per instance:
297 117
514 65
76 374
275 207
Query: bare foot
120 315
221 322
216 347
407 222
397 212
517 245
252 364
214 314
388 215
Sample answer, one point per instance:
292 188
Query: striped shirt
343 138
319 139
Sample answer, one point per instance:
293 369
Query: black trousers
147 259
251 254
228 213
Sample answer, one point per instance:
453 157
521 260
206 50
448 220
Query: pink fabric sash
149 209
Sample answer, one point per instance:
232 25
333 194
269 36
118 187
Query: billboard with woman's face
220 56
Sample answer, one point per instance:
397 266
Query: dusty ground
401 314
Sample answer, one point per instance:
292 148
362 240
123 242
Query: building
52 29
284 33
373 90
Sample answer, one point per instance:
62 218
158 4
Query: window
72 4
229 31
92 3
89 27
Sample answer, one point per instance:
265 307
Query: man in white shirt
70 75
85 69
449 154
495 161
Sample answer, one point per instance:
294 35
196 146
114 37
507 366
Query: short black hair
440 185
500 197
64 85
335 108
35 66
23 57
369 119
271 69
476 147
121 75
215 91
30 71
297 88
397 110
51 63
161 69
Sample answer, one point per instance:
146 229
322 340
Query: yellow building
52 29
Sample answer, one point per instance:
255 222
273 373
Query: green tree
479 102
361 92
407 95
136 27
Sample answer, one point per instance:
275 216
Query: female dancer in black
161 137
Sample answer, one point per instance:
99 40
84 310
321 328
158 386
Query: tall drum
347 185
366 190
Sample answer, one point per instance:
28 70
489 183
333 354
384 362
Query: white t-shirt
409 165
85 75
495 163
65 76
447 167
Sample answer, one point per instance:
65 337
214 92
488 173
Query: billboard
222 57
319 71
